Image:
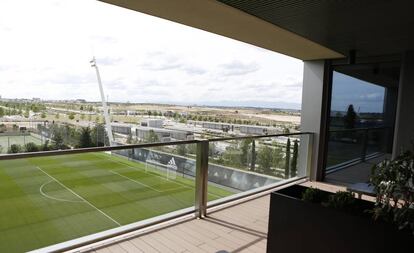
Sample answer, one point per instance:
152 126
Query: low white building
156 123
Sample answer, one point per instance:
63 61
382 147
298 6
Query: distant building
121 128
253 130
142 133
218 126
157 123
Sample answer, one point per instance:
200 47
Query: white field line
154 174
175 182
54 198
77 195
135 181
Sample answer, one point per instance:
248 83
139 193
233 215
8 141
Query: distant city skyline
143 59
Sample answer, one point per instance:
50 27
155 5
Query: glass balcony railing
72 197
349 145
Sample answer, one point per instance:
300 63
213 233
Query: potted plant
310 220
393 182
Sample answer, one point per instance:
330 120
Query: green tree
181 150
294 163
253 161
26 114
99 135
151 137
232 156
129 139
2 112
245 147
43 115
264 156
45 146
31 147
57 116
15 148
278 157
85 139
287 159
57 139
211 148
350 117
71 116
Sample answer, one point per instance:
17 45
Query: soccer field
48 200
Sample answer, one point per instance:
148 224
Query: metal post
309 155
104 105
364 145
201 179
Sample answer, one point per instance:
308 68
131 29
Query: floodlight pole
104 105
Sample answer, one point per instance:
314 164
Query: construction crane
104 105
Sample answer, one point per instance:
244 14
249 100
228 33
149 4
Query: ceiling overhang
218 18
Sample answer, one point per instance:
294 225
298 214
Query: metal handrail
132 146
357 129
256 136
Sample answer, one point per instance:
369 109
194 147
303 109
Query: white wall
312 97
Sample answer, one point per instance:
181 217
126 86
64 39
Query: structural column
404 124
313 115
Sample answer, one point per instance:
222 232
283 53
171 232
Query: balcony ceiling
217 17
371 27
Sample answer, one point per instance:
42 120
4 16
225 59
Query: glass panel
344 146
240 165
47 200
377 140
355 105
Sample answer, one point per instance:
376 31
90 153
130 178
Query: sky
46 46
364 96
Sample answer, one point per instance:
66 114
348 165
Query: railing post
309 152
201 179
364 145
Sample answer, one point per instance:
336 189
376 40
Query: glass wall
356 120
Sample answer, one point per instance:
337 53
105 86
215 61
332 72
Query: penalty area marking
54 198
152 174
77 195
135 181
175 182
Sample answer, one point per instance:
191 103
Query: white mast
104 105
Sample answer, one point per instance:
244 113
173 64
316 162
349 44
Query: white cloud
47 45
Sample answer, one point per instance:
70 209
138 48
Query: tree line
65 137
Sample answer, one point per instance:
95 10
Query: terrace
148 198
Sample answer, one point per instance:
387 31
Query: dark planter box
299 226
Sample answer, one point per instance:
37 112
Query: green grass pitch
48 200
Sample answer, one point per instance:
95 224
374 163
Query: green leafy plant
393 182
341 200
313 195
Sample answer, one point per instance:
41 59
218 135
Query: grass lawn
48 200
7 141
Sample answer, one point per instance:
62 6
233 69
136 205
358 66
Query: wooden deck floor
240 228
